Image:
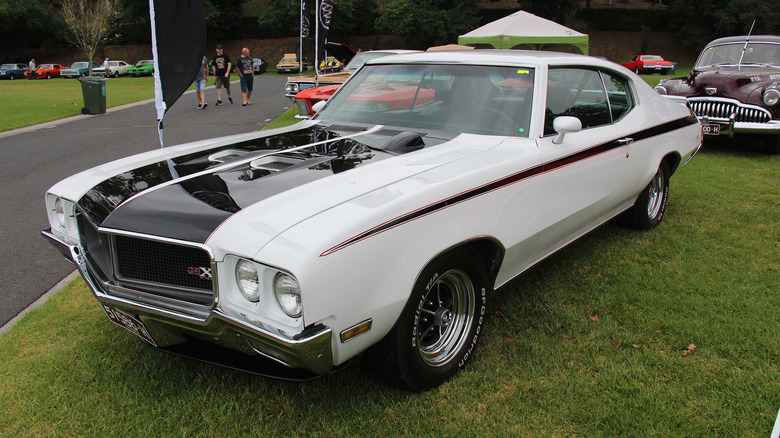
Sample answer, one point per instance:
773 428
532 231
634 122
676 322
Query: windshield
358 60
79 64
140 63
729 54
7 66
652 58
289 60
456 98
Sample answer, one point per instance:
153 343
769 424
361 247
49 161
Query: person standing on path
200 83
246 69
31 65
221 69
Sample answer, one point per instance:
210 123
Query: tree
424 23
28 27
555 10
89 23
701 21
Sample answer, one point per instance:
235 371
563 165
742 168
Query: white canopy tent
524 28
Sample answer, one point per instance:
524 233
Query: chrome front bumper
172 326
729 126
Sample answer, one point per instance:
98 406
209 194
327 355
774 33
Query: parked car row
77 69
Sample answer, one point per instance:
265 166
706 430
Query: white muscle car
383 224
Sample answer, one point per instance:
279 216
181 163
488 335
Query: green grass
592 342
24 102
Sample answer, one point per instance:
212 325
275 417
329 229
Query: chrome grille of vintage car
154 267
720 108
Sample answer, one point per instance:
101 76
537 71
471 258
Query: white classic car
115 69
381 225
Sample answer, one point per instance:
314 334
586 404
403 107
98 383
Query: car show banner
305 26
324 13
178 44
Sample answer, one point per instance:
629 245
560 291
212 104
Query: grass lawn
672 332
24 102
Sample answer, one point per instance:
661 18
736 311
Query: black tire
648 210
439 326
48 76
636 70
772 144
12 77
116 74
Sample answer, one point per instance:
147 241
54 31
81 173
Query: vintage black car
735 88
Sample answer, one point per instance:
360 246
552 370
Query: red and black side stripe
511 179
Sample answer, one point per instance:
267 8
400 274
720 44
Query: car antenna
746 43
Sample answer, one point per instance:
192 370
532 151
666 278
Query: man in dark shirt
246 69
221 69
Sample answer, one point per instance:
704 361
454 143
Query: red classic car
734 88
306 99
46 71
649 64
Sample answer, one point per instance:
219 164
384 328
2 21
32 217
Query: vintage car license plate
130 323
711 129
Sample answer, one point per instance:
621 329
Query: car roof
742 38
495 57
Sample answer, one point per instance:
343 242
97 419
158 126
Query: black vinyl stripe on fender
511 179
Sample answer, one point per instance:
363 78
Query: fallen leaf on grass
616 344
510 339
593 317
498 313
690 350
635 346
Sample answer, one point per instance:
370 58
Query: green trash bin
94 90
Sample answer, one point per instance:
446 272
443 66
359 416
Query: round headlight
59 211
771 97
288 294
248 280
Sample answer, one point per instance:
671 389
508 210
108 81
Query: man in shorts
246 69
221 69
200 83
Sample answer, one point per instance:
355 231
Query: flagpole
158 95
318 3
300 43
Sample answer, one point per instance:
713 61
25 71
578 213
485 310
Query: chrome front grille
719 108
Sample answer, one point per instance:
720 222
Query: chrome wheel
655 195
445 317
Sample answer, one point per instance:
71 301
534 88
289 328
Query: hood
743 83
188 197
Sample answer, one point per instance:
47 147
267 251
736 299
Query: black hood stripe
237 163
511 179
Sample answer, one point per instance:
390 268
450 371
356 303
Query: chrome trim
214 274
722 108
312 352
157 239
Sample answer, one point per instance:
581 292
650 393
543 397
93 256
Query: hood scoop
273 163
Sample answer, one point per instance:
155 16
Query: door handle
625 141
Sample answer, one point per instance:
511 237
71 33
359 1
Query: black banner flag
178 45
324 13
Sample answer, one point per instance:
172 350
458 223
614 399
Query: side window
577 93
620 99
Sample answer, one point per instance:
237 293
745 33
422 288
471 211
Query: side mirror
318 106
564 125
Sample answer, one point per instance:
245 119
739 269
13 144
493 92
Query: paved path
33 159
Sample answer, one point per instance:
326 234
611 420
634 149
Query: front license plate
711 129
130 323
